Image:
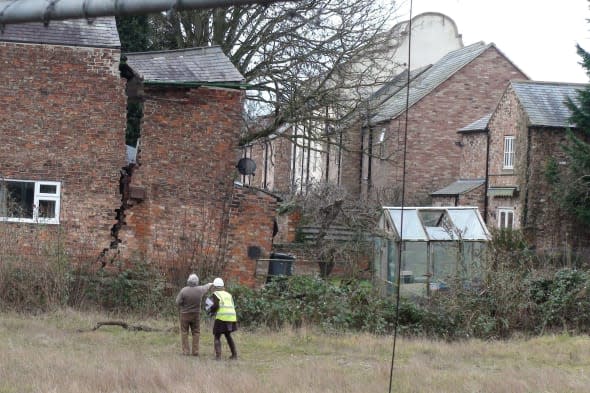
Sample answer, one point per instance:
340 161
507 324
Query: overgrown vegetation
518 294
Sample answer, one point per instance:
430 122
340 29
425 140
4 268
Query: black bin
280 265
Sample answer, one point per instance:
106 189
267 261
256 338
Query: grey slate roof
102 33
206 64
478 125
544 102
459 187
429 80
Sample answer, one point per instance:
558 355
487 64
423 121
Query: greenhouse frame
437 246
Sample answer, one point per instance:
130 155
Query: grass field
48 353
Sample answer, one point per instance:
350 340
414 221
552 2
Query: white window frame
503 213
38 197
508 152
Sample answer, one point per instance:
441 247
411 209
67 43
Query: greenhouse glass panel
412 227
414 261
438 233
445 256
468 224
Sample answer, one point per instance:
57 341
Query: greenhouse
437 246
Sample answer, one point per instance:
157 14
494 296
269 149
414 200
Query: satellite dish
246 166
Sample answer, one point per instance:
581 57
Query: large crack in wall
129 197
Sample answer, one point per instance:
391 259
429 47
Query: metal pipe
22 11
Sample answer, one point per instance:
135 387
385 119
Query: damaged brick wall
188 152
250 233
63 119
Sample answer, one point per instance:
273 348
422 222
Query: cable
403 192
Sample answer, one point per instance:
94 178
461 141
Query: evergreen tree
574 188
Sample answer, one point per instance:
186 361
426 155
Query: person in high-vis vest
222 305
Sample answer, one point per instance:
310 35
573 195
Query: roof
428 80
193 65
101 33
437 223
478 125
544 102
459 187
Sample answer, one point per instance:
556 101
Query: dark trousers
230 343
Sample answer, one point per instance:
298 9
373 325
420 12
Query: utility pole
21 11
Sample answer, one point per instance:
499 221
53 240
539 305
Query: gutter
227 85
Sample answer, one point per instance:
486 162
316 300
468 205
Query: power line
403 191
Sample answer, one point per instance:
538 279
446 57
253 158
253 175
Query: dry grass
46 353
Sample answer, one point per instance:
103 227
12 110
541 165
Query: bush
34 285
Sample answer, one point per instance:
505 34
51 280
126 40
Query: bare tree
298 58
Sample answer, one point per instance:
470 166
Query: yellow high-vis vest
226 311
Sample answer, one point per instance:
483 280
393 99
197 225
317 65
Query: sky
538 36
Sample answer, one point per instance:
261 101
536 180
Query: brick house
504 158
64 158
285 166
526 131
460 88
61 136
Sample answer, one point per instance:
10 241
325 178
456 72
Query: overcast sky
539 36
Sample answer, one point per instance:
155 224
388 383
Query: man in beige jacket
189 305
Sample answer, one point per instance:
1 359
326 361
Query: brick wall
473 155
546 225
509 119
251 221
63 119
433 157
188 153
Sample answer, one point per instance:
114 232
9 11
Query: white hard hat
193 279
218 282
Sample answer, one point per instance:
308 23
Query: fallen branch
124 325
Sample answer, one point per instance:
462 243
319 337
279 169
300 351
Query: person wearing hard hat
222 305
189 305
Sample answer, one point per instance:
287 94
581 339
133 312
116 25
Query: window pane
48 189
509 219
46 209
502 220
20 199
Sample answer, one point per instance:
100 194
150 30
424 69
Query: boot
232 347
217 346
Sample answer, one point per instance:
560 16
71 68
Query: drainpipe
370 162
339 157
525 207
486 180
265 183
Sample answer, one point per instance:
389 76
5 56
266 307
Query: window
505 218
29 201
508 152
